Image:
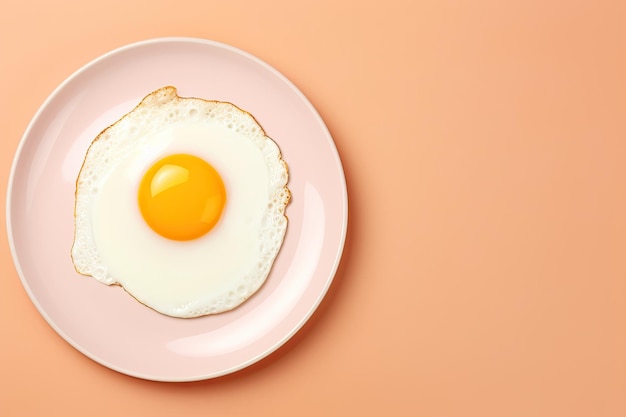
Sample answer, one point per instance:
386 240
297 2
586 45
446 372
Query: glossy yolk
181 197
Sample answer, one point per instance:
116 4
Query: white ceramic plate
107 324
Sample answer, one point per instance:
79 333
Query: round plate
105 323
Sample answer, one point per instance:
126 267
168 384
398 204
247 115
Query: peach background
484 144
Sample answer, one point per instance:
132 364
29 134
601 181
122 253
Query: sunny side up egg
181 202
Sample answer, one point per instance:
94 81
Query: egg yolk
181 197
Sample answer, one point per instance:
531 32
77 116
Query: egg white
208 275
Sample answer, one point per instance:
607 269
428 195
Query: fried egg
182 203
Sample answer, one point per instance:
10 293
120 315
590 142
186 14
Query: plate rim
17 157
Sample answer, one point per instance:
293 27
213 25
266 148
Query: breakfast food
181 202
